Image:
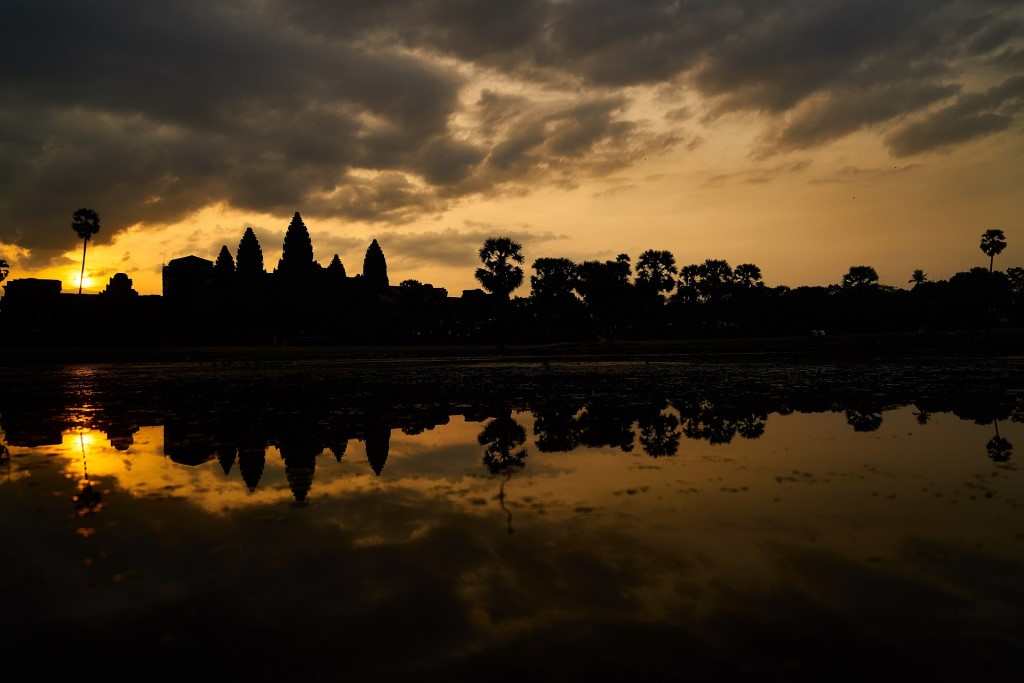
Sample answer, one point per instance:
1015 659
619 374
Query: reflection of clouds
412 551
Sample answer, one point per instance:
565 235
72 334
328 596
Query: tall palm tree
502 258
918 277
86 223
992 244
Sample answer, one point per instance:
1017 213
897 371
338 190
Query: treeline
654 298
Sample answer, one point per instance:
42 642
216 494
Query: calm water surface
660 540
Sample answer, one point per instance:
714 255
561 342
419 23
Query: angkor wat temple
235 299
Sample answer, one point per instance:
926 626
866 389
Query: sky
805 137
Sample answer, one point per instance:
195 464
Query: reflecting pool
648 524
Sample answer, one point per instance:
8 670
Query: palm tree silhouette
918 277
502 258
992 244
86 223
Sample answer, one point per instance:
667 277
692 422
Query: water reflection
586 527
240 435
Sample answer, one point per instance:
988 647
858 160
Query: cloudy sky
803 136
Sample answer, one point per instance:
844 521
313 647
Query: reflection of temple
206 418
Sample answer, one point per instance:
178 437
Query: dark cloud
149 111
846 111
972 116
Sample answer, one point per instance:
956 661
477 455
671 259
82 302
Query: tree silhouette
918 277
863 420
224 268
992 244
605 289
502 438
85 223
297 253
5 269
747 276
659 433
656 271
375 268
553 281
501 274
860 277
249 258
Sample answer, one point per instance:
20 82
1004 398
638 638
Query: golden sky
802 138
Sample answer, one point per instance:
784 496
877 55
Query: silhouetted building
378 443
297 252
187 278
120 285
375 268
251 460
186 444
29 292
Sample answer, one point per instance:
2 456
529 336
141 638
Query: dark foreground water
622 521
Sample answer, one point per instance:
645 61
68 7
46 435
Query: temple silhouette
234 298
237 299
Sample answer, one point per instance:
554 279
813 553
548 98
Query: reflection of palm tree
88 500
751 426
502 438
659 434
863 420
999 449
86 223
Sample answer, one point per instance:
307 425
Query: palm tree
86 223
918 277
501 273
992 244
656 271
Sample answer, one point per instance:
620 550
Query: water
648 532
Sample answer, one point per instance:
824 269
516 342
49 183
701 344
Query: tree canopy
501 258
656 271
85 223
992 244
859 277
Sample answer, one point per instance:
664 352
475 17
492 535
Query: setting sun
87 282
